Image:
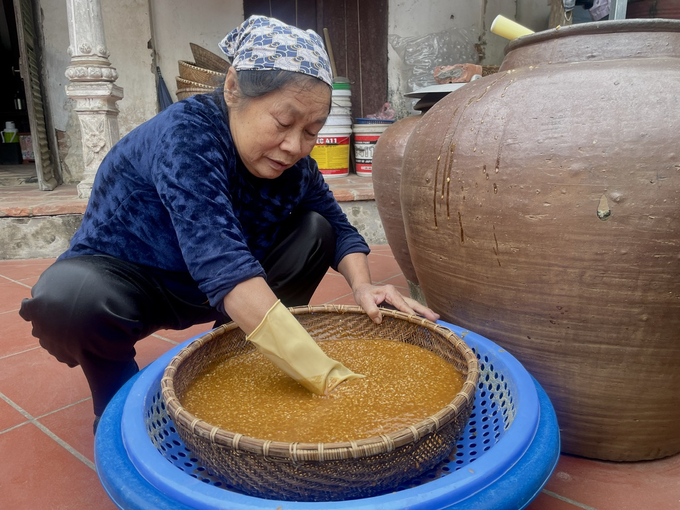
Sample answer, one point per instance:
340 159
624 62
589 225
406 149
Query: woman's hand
354 267
369 296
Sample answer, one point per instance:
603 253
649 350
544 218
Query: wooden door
30 73
358 34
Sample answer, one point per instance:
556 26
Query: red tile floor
46 442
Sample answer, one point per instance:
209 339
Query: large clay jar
542 210
388 157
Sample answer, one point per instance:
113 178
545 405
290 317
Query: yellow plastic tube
509 29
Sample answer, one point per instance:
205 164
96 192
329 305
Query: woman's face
274 131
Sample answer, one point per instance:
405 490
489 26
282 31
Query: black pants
91 310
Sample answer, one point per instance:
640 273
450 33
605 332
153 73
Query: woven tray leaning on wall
324 471
207 59
190 71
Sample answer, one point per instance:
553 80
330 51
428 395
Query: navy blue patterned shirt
173 194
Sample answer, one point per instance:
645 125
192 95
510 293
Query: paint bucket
341 106
341 99
365 138
331 151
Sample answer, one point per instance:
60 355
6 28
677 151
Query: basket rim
194 67
202 89
192 84
298 451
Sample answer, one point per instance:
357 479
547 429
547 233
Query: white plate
435 89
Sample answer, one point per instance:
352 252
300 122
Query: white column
92 86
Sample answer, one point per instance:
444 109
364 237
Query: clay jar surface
542 210
388 157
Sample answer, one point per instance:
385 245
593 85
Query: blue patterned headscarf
262 43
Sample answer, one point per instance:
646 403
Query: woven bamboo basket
323 471
190 71
208 60
188 84
188 92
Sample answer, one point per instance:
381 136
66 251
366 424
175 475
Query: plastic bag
385 113
420 55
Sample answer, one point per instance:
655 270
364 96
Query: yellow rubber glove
283 340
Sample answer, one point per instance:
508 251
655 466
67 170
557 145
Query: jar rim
596 27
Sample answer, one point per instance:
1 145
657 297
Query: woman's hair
252 84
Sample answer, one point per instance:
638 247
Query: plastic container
341 106
10 150
506 454
365 138
341 100
10 134
335 120
331 151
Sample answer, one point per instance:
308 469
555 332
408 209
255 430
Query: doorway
15 169
22 109
358 35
